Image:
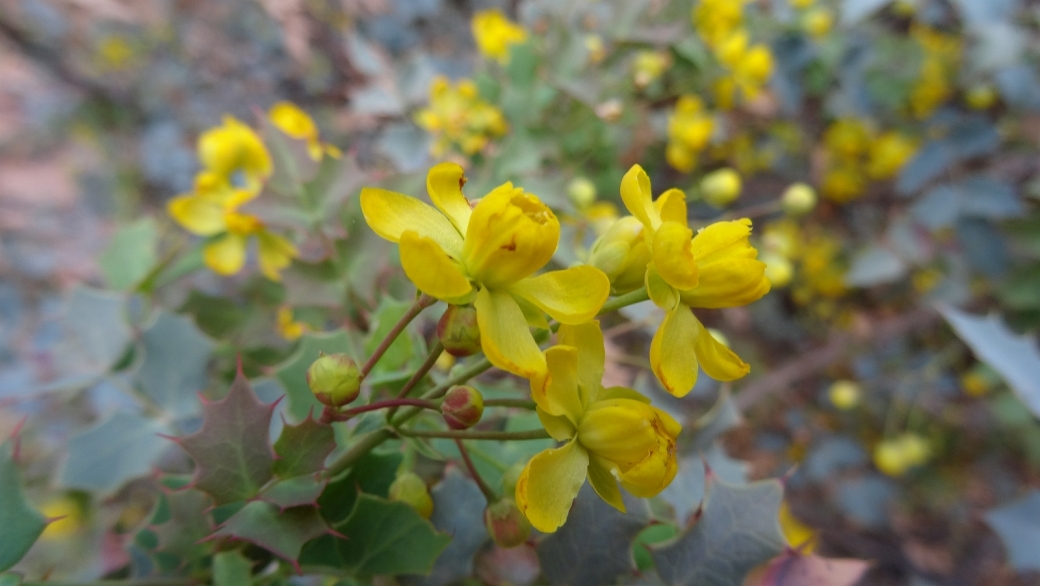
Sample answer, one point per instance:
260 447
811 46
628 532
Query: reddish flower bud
506 524
462 407
458 330
334 379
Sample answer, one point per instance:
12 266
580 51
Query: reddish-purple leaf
283 533
301 449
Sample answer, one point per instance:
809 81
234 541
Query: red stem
420 304
347 414
484 488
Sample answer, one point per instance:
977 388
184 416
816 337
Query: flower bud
798 199
462 407
506 524
779 270
511 476
721 187
844 394
334 379
458 330
622 254
582 192
408 488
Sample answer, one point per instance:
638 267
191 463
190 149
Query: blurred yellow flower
888 153
818 21
843 183
293 121
798 535
596 47
115 53
978 382
716 20
612 434
721 187
648 66
980 97
287 326
689 129
779 270
798 199
487 254
495 34
847 139
897 456
844 394
234 151
458 117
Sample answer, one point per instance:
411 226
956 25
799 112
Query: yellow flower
596 47
289 328
980 97
896 456
818 22
799 535
293 121
235 149
847 139
495 34
844 394
648 66
622 254
612 435
977 382
458 118
212 210
798 199
715 20
115 53
932 89
843 183
721 187
689 129
888 153
487 254
779 269
714 269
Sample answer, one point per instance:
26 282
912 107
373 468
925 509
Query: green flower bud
462 407
582 192
408 488
721 187
622 255
458 330
511 477
334 379
506 524
798 199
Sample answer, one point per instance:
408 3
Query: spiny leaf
738 530
130 254
187 523
302 448
21 524
174 369
232 452
372 474
231 568
1018 525
95 336
294 492
293 372
119 449
385 537
794 569
283 533
594 546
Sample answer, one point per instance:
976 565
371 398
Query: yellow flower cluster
487 254
459 118
495 34
235 164
815 20
689 129
942 55
293 121
720 23
649 66
855 155
898 455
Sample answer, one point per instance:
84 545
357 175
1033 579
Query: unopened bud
844 394
798 199
622 254
511 476
462 407
408 488
582 192
506 524
334 379
721 187
458 330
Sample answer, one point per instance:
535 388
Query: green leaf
738 530
231 568
1018 525
95 336
294 492
373 474
232 450
594 546
458 510
174 369
10 579
215 316
386 316
1015 358
386 537
283 533
22 524
651 535
131 254
292 373
187 523
523 65
303 448
104 457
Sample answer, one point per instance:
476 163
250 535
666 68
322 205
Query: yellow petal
673 255
431 269
558 426
275 252
570 296
604 483
635 192
624 431
504 336
532 313
621 393
723 240
661 293
556 393
728 283
672 356
444 184
391 214
587 338
650 476
226 255
718 361
671 206
199 215
549 483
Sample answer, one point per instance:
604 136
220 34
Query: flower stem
533 434
389 403
431 359
421 303
484 488
519 403
637 296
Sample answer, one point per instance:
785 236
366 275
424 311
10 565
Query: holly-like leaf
385 537
104 457
594 546
174 369
738 529
301 449
1018 525
20 523
458 510
293 372
232 452
187 523
294 492
686 491
795 569
372 475
130 254
231 568
95 335
283 533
